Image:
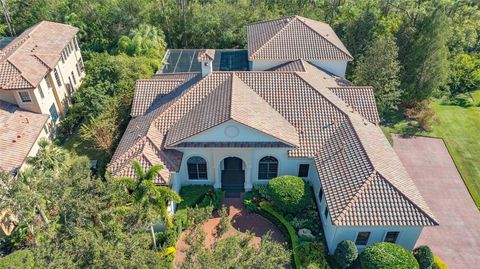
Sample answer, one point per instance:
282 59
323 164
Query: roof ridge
316 32
359 192
273 37
428 215
20 72
266 21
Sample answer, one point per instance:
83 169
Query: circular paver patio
240 220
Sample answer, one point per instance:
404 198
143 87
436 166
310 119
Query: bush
313 255
18 259
167 238
424 257
345 253
213 198
192 195
438 263
263 191
387 255
273 215
289 194
251 201
224 224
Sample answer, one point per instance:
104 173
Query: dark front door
233 176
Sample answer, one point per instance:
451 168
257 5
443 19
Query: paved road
457 239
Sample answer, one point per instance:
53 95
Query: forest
410 51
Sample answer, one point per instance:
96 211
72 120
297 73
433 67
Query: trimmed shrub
387 255
345 253
438 263
277 218
290 194
424 257
192 195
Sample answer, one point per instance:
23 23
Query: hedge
387 255
345 253
273 215
192 195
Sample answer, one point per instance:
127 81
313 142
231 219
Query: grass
75 144
18 259
459 126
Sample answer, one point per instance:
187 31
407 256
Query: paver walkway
457 239
240 220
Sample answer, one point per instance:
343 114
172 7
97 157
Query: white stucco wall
407 237
336 67
249 156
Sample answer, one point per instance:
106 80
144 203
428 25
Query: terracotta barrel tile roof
19 129
206 55
294 38
25 61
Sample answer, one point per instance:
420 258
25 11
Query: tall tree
151 199
380 68
426 60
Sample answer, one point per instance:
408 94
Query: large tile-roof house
39 70
291 113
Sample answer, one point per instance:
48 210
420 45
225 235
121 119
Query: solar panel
185 60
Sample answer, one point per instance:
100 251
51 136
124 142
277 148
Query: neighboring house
39 71
292 114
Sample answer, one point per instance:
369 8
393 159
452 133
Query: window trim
268 163
21 98
197 168
366 240
396 236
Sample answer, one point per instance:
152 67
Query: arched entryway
233 175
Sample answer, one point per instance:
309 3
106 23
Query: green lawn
78 146
460 128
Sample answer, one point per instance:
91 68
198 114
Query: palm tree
152 199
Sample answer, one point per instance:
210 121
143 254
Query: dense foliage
387 255
289 194
233 252
345 253
424 257
430 35
74 220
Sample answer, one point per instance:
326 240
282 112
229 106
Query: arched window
267 168
197 168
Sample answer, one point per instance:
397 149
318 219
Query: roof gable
294 38
32 55
233 100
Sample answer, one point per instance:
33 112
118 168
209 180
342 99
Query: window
197 168
320 195
79 72
57 77
47 80
63 56
40 91
303 170
326 212
53 113
69 86
362 238
391 237
74 79
25 96
267 168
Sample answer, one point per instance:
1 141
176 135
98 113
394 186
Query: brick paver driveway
457 239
